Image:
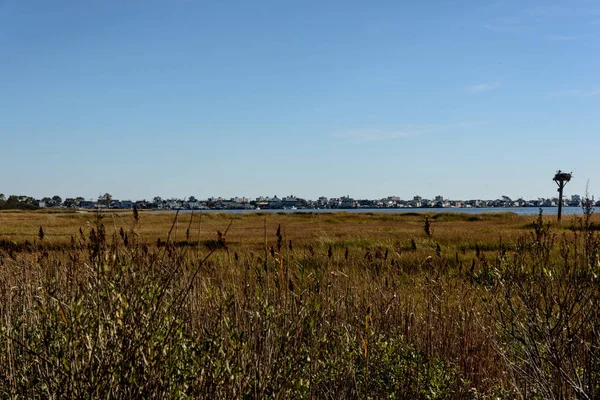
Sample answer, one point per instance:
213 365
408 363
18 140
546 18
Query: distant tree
27 200
20 202
78 199
69 202
157 199
57 200
105 199
2 197
192 199
303 202
46 200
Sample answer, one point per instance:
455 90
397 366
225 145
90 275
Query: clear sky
141 98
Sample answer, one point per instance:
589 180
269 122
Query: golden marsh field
323 305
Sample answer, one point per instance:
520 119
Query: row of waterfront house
293 202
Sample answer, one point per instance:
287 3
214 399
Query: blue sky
467 99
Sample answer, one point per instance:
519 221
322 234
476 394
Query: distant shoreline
450 210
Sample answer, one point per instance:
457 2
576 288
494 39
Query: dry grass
296 306
248 229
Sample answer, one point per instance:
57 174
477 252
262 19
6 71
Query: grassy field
338 229
327 305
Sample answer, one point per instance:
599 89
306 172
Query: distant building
322 201
127 204
548 203
347 202
86 204
274 202
290 201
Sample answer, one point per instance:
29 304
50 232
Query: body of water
516 210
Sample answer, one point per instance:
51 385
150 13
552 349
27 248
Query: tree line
18 202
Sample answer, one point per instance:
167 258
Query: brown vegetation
298 306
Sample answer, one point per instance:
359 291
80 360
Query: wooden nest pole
561 179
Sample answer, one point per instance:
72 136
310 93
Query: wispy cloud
564 37
500 28
575 93
547 11
482 87
375 135
582 9
532 20
381 134
505 25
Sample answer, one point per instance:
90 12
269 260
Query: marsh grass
280 306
